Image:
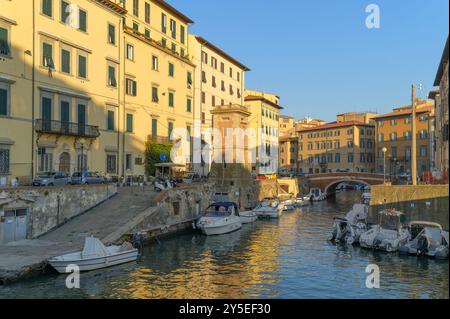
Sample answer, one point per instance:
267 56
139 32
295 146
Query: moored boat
220 218
428 239
349 228
269 208
389 234
248 217
94 256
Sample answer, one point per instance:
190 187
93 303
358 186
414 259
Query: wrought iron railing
66 128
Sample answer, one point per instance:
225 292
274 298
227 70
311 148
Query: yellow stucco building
264 120
86 83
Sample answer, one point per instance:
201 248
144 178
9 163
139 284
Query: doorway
13 225
64 163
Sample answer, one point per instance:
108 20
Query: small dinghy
288 205
248 217
94 256
350 228
389 235
428 240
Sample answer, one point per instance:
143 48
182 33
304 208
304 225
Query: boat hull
248 217
89 264
220 229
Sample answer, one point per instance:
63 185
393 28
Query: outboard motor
138 242
422 245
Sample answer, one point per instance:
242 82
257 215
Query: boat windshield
434 233
389 221
218 211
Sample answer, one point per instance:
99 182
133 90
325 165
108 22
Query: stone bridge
327 182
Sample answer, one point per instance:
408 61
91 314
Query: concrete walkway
19 258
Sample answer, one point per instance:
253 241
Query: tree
153 153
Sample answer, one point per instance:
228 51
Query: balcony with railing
160 140
66 128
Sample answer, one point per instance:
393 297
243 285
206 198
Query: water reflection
286 258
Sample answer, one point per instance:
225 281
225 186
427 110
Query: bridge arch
331 188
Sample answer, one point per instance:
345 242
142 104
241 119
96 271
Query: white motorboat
316 195
288 205
94 256
350 228
248 217
427 239
389 235
220 218
269 208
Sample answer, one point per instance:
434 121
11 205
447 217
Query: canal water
285 258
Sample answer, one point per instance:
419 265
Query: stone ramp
20 258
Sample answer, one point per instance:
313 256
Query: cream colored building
219 80
264 120
287 126
85 83
337 146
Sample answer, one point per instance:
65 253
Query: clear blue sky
319 57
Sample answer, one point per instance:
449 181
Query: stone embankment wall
421 202
49 207
173 210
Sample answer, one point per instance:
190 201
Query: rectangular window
130 123
155 63
394 151
4 161
128 162
189 78
112 76
147 12
423 151
82 19
163 23
171 70
173 29
64 12
213 100
350 157
337 158
131 87
65 61
82 67
136 8
174 48
3 101
110 121
155 98
182 34
147 33
203 97
4 44
203 118
189 105
135 26
130 52
45 160
408 153
47 7
111 164
47 55
188 133
163 42
111 34
171 99
381 137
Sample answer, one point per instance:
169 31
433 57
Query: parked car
83 178
190 178
343 170
51 179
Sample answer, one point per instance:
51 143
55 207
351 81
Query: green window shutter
171 99
47 7
147 33
82 71
112 76
64 12
134 89
171 69
82 18
163 23
155 97
112 34
147 12
4 46
154 127
65 61
129 123
182 34
189 104
170 129
111 120
65 112
3 102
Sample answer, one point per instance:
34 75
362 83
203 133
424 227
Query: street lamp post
82 141
384 165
